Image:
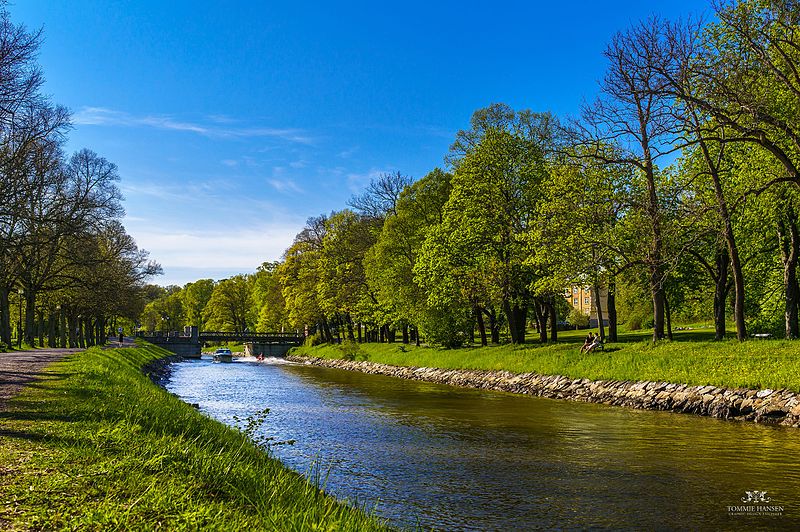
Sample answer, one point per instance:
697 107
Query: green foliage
351 350
230 307
313 340
578 319
445 325
195 296
268 298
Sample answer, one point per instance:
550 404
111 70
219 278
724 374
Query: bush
578 319
313 340
351 350
446 326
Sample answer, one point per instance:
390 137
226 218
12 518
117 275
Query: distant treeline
67 266
675 192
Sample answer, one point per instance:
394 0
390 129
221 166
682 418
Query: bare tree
634 114
381 195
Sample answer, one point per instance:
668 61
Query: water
459 459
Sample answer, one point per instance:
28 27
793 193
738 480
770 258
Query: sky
233 122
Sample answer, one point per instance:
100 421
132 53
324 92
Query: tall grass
95 445
693 358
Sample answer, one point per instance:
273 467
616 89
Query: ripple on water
465 459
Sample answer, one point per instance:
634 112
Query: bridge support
254 349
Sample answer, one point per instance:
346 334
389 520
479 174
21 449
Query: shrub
351 350
578 319
313 339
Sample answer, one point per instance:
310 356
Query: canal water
434 456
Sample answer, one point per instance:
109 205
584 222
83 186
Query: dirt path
21 367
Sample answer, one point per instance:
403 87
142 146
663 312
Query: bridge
190 343
254 337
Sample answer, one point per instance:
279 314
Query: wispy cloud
188 192
358 182
101 116
285 185
240 249
346 154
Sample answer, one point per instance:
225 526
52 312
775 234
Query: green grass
94 445
692 358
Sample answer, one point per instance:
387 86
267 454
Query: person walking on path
121 336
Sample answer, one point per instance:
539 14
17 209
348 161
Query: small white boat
223 354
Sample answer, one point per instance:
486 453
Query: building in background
582 299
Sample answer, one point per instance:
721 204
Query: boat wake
273 361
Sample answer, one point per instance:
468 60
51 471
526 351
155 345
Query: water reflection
464 459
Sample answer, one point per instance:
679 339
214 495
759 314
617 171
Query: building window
575 301
586 300
574 289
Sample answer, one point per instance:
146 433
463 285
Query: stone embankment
761 406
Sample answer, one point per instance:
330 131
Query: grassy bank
95 445
692 358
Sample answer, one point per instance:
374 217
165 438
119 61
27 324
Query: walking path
18 368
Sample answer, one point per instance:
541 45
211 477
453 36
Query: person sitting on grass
588 341
597 342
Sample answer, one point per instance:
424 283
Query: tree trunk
657 292
81 335
612 311
40 328
599 310
721 293
733 250
542 314
5 317
360 336
668 315
391 334
405 333
551 305
326 331
62 328
350 335
494 325
481 325
790 245
51 330
511 322
30 317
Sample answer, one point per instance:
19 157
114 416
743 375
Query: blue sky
233 122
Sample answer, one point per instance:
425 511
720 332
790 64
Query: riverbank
489 368
94 444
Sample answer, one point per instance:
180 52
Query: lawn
692 358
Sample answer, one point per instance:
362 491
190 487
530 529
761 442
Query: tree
195 297
342 283
267 292
578 224
381 196
389 264
230 306
298 276
634 114
495 188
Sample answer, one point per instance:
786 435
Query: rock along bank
760 406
